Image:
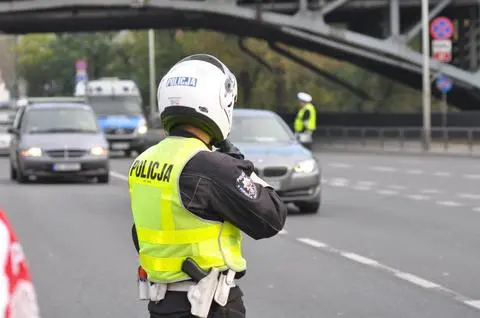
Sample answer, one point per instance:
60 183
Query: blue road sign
441 28
81 78
444 84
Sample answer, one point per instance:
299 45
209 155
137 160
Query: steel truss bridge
374 34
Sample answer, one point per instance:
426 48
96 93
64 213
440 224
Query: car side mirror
12 130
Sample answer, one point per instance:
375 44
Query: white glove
257 179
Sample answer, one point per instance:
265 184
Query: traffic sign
81 65
442 50
442 28
444 84
81 78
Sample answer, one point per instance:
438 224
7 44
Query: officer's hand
228 148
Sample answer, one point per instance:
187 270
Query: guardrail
400 139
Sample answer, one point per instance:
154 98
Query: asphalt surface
395 237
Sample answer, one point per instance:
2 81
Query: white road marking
477 209
311 242
473 303
414 171
469 196
360 259
383 169
324 181
118 175
471 176
442 174
430 191
361 188
418 197
396 187
283 232
449 203
339 165
411 278
367 183
417 280
339 182
387 192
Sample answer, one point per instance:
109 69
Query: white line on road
360 259
477 209
387 192
430 191
417 280
473 303
442 174
361 188
396 187
383 169
414 171
339 182
283 232
449 203
469 196
311 242
339 165
413 279
471 176
367 183
418 197
118 175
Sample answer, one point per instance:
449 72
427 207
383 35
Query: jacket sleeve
256 210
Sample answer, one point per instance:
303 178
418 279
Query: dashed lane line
387 192
449 203
471 176
477 209
469 196
414 171
407 277
396 187
339 165
418 197
383 169
442 174
431 191
118 175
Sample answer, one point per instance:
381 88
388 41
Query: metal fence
401 139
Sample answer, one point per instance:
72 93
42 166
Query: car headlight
99 151
307 166
142 129
32 152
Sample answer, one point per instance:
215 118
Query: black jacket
212 187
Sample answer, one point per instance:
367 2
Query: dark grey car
57 140
267 141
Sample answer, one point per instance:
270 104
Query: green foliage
47 62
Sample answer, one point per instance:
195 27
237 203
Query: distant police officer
190 203
306 120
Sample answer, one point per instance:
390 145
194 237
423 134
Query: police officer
191 202
306 120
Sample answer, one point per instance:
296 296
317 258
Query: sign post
81 77
444 85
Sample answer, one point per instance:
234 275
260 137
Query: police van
118 106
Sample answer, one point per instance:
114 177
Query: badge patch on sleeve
246 186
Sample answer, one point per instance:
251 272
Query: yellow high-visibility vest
167 232
299 126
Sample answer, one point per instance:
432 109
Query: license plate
120 145
276 185
66 167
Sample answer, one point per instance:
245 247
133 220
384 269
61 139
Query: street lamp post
151 66
426 77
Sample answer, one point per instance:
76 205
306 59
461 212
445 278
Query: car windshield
116 105
259 129
60 120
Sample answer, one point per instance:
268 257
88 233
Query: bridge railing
401 139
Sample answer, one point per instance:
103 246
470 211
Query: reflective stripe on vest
167 232
312 121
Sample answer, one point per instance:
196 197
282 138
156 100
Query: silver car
57 140
266 140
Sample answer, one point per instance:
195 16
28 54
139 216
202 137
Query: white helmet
200 91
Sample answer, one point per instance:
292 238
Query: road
396 237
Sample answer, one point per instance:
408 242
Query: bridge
374 34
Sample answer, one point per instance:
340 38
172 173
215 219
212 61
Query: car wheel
104 178
21 178
309 207
13 173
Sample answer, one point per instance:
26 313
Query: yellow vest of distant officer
167 232
311 124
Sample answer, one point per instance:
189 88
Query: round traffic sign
441 28
81 65
444 84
